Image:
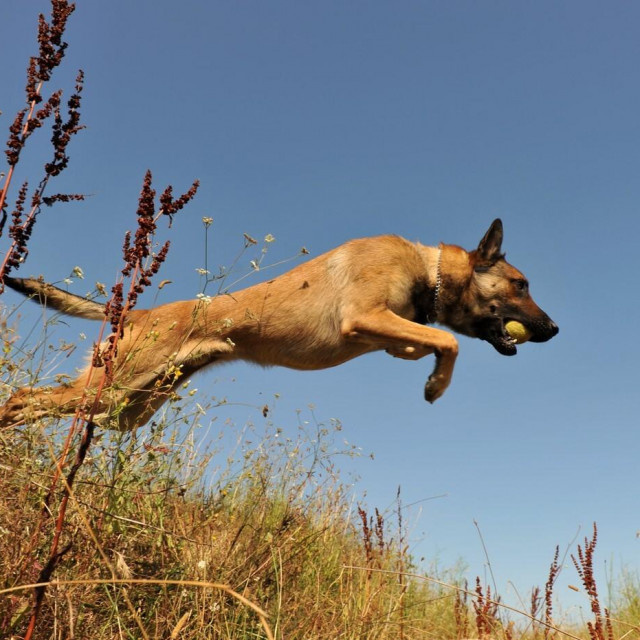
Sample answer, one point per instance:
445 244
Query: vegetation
144 535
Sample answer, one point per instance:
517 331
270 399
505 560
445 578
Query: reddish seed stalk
116 312
600 628
26 122
79 419
9 176
40 68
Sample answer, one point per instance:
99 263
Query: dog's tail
58 299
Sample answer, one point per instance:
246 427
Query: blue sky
320 122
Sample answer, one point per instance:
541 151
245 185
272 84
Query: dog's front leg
440 377
402 338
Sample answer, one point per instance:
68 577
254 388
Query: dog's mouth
502 342
493 330
495 334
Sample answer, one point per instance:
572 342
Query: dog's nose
553 329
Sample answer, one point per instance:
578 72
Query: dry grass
275 528
270 542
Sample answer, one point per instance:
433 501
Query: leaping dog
366 295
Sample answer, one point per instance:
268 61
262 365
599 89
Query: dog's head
495 293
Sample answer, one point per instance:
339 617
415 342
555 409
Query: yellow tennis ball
517 331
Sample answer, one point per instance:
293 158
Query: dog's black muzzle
541 331
493 331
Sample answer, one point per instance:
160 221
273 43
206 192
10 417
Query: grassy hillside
163 540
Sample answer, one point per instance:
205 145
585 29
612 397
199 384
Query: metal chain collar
436 292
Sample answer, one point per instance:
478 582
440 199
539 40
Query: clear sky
322 121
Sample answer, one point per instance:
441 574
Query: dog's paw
435 387
12 413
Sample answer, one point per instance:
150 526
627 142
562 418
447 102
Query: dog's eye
522 285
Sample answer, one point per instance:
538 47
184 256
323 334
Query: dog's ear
489 249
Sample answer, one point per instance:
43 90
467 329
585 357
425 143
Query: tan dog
366 295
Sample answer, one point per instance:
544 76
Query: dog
366 295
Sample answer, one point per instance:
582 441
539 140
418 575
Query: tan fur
355 299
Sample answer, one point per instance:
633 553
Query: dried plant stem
116 312
60 460
70 494
20 231
80 418
467 592
28 221
179 583
28 120
55 555
600 628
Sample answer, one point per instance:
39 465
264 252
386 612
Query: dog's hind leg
31 403
118 407
135 402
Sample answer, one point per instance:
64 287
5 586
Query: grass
275 526
162 539
165 539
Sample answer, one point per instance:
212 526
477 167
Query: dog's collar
436 292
